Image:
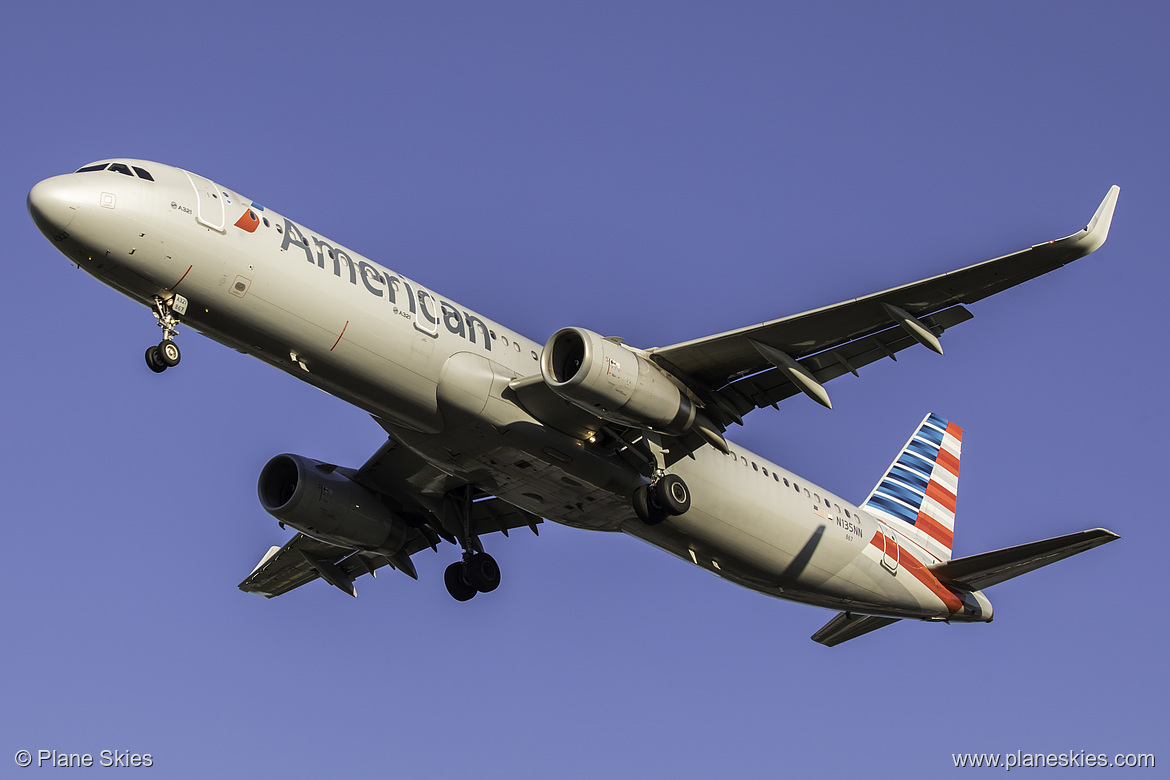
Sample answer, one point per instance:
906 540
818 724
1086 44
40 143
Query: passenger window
143 174
92 168
120 168
743 459
765 472
754 466
796 486
776 477
847 513
816 498
266 222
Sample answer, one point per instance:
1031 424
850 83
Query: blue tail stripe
912 461
925 450
910 478
934 419
930 434
894 508
894 490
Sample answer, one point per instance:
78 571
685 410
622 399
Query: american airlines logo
419 304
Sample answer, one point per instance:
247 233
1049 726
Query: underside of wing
425 504
304 559
757 366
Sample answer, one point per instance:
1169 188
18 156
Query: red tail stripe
942 495
948 462
935 530
922 574
955 431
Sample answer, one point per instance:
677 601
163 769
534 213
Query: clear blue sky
654 171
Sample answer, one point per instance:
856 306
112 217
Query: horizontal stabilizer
847 626
977 572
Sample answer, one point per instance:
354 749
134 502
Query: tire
457 585
168 354
483 573
673 494
645 509
153 362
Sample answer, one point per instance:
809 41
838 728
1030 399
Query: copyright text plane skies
488 431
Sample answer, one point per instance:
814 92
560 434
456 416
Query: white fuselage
436 374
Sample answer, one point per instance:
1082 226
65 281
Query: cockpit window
143 174
121 168
92 168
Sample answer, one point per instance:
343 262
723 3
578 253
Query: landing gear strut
166 354
478 572
668 495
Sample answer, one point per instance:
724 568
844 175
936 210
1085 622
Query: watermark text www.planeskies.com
1071 758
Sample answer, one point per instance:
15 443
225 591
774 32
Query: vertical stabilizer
921 486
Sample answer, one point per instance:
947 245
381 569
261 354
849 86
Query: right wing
419 495
303 559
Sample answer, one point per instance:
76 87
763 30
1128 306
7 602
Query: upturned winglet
1093 236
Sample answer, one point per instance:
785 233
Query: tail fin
921 486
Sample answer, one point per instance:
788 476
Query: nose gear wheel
166 354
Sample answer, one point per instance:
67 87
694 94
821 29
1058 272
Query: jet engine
323 501
614 383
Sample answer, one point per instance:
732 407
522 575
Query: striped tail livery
917 494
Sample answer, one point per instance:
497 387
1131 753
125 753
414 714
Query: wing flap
976 572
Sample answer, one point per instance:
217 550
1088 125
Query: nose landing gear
166 354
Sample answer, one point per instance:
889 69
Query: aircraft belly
743 529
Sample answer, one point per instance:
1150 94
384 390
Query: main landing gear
166 354
666 496
478 572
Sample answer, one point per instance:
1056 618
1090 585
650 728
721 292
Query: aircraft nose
53 204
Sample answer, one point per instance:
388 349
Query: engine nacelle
321 501
613 382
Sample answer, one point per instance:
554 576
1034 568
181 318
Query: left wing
741 370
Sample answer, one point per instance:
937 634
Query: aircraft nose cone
53 204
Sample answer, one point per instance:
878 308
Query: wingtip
1095 233
1104 214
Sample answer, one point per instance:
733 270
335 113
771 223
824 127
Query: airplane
489 431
